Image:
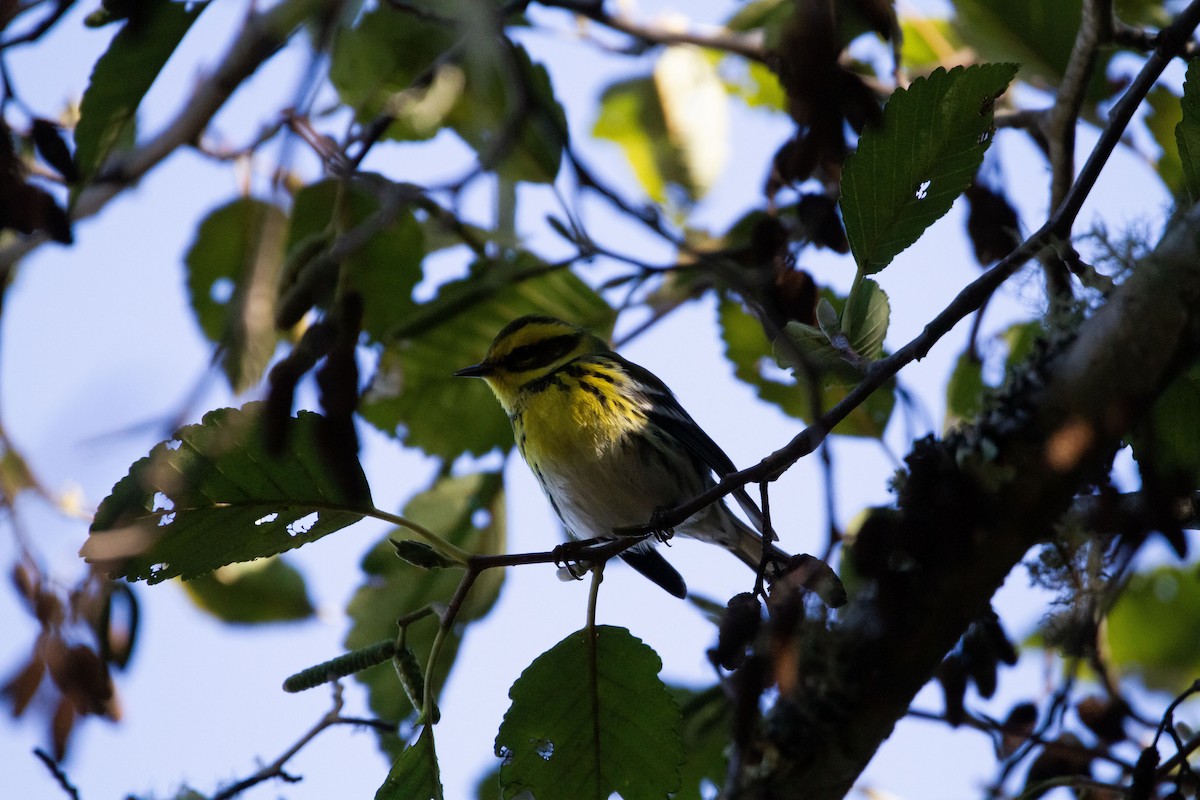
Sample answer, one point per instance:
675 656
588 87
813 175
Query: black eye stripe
539 354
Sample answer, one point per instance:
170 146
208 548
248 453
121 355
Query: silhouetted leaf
1187 132
212 496
907 172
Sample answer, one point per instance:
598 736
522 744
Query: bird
611 446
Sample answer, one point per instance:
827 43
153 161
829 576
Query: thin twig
1055 230
56 771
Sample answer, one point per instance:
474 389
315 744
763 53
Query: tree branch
261 37
958 541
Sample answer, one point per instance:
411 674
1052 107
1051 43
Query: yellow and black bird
609 443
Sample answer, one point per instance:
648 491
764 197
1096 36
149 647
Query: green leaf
1169 442
753 83
1187 132
707 721
673 127
865 318
268 590
1037 35
518 132
415 394
907 173
374 66
384 269
928 42
1154 629
415 774
467 511
755 362
233 271
591 718
214 496
1163 121
964 390
123 75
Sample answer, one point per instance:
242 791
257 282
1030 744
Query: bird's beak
480 370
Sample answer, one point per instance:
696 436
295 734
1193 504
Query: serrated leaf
213 496
865 318
467 511
907 172
123 75
233 268
609 726
1153 631
414 393
1187 132
268 590
755 362
415 774
384 269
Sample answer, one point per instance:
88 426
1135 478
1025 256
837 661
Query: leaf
233 270
375 64
268 590
907 172
213 496
865 318
1163 122
1154 629
123 75
753 83
673 126
754 362
707 721
1187 132
696 114
415 774
384 269
414 393
518 132
1169 443
928 42
1037 35
591 718
467 511
964 390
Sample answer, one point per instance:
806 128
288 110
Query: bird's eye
539 354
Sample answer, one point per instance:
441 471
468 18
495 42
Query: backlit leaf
1154 629
233 270
414 393
467 511
268 590
907 172
213 496
589 718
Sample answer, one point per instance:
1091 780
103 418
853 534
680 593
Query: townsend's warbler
609 443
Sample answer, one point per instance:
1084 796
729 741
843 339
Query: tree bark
969 508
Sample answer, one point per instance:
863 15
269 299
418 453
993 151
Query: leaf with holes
908 171
589 718
214 496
